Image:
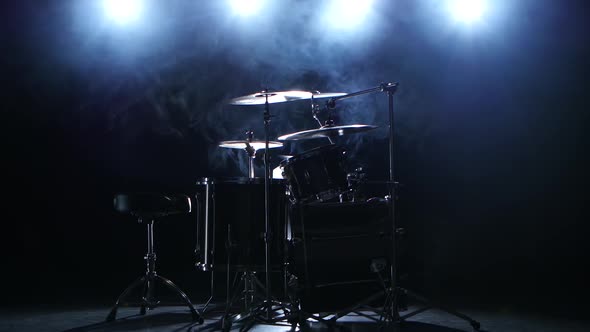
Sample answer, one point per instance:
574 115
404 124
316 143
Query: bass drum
317 174
340 252
231 222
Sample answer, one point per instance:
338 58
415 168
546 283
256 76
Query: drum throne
149 207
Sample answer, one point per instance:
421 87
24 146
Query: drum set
289 222
244 223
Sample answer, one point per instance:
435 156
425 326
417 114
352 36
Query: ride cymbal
243 144
329 131
274 97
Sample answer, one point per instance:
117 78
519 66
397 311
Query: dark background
491 141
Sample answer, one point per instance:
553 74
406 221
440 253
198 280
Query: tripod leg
113 314
196 316
385 314
147 294
227 319
475 324
393 306
248 325
354 307
226 323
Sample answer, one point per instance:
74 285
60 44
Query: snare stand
392 294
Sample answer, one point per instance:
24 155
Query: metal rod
150 232
354 94
198 253
207 217
267 207
151 256
251 154
251 167
390 89
391 187
391 138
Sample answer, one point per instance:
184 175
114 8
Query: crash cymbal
274 97
255 144
328 131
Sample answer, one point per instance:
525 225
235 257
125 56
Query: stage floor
163 318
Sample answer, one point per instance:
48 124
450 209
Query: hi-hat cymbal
255 144
328 131
274 97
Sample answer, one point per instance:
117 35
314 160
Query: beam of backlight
246 7
123 11
467 11
347 14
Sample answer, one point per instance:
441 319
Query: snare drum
316 175
231 215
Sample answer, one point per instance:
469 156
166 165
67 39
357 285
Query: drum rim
236 180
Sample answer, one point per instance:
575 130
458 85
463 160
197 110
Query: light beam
246 7
467 11
123 11
348 14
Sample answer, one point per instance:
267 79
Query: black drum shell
337 250
234 224
318 174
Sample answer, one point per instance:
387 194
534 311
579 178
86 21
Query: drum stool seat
148 207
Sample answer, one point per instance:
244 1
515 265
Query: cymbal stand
315 110
392 293
267 236
263 312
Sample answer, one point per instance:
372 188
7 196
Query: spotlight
246 7
345 14
123 11
467 11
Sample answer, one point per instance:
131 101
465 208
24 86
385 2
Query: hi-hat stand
393 293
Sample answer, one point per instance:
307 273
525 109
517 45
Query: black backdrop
491 140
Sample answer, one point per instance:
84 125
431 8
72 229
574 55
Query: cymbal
328 131
274 97
255 144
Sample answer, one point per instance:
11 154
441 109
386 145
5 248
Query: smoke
175 82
